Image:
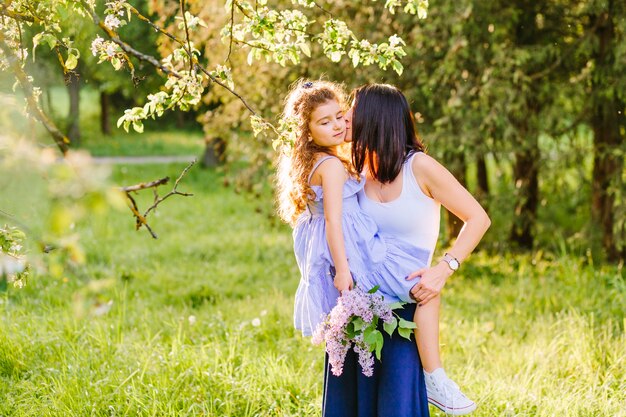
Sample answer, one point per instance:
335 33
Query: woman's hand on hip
343 281
431 283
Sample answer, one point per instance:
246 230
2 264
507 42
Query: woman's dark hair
383 131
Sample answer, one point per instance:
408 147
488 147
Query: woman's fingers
427 299
420 294
415 274
423 294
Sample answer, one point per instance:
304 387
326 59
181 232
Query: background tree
502 90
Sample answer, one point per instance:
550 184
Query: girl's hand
343 281
432 281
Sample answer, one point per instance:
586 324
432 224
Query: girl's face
348 119
327 125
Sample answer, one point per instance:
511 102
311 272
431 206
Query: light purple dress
373 260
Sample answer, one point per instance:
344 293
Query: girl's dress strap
318 163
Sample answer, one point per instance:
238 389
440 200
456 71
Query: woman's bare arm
441 185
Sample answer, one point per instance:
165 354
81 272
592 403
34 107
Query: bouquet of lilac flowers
354 322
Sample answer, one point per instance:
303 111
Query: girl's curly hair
295 165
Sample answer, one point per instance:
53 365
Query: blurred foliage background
523 101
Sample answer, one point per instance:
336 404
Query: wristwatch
452 262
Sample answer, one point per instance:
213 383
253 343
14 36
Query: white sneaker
446 395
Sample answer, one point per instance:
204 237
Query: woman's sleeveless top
413 217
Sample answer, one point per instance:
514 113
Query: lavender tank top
413 217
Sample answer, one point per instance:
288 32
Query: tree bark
105 114
180 120
482 178
526 177
605 121
72 81
527 127
214 152
50 108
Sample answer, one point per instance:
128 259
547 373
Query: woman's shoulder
424 164
426 171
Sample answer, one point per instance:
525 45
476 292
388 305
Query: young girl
335 243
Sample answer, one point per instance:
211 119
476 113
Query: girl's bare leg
427 333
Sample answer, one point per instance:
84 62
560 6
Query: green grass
523 335
149 143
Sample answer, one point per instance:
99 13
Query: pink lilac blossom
351 306
366 358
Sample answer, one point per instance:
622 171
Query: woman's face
327 125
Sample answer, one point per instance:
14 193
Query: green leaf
397 67
372 337
390 327
138 126
50 40
379 344
116 62
306 50
358 324
367 335
71 62
405 324
373 290
350 331
406 333
397 304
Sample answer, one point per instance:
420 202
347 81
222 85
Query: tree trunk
50 108
525 116
482 181
457 165
605 122
180 120
105 114
607 167
526 177
72 81
214 152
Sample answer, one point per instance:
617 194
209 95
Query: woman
403 192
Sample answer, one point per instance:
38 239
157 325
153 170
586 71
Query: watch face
454 264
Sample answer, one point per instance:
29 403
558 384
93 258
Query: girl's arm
441 185
333 176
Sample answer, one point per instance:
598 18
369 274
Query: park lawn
153 142
198 322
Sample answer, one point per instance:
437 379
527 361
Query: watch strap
452 262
